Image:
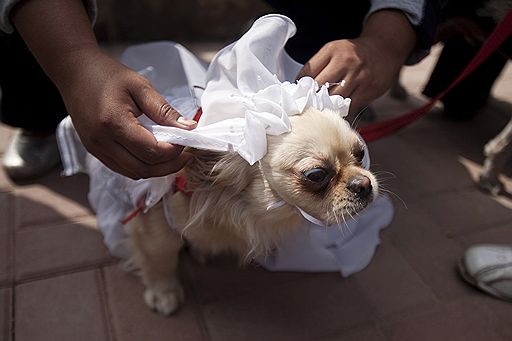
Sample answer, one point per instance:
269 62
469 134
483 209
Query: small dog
316 167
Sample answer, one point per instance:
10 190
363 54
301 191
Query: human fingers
138 141
341 82
337 62
314 66
358 101
362 95
143 145
123 162
151 103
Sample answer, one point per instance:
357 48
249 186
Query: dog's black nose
360 185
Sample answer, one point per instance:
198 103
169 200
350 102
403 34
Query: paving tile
501 234
365 333
301 310
474 169
61 308
386 107
210 281
6 240
429 252
413 174
500 312
466 211
505 199
59 248
504 83
465 321
5 136
391 284
75 187
49 204
5 314
441 157
390 172
133 320
393 161
6 184
474 133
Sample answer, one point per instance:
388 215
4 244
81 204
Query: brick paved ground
58 282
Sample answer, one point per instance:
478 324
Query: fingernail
186 122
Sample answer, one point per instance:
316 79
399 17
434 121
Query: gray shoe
30 156
489 267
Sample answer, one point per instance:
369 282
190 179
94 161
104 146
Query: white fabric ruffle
250 93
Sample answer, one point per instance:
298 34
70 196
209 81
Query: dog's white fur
227 211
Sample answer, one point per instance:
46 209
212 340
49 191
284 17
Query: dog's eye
359 153
316 174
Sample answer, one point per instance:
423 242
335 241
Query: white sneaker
30 156
489 267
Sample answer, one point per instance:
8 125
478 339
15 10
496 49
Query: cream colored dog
316 167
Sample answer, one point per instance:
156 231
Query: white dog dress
249 93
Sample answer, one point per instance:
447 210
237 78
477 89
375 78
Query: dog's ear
219 169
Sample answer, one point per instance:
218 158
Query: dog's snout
360 185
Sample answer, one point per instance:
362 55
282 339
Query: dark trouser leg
29 99
467 98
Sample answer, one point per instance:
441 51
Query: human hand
104 98
364 67
360 67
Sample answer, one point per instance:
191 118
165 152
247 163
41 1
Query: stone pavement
58 282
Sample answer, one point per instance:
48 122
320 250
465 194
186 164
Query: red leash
380 129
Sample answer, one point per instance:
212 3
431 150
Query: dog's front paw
165 301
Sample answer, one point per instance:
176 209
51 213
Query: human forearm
58 33
102 96
391 33
424 17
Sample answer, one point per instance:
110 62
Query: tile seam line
378 327
55 223
12 322
480 228
197 307
107 312
438 300
13 265
308 275
348 330
64 272
6 284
